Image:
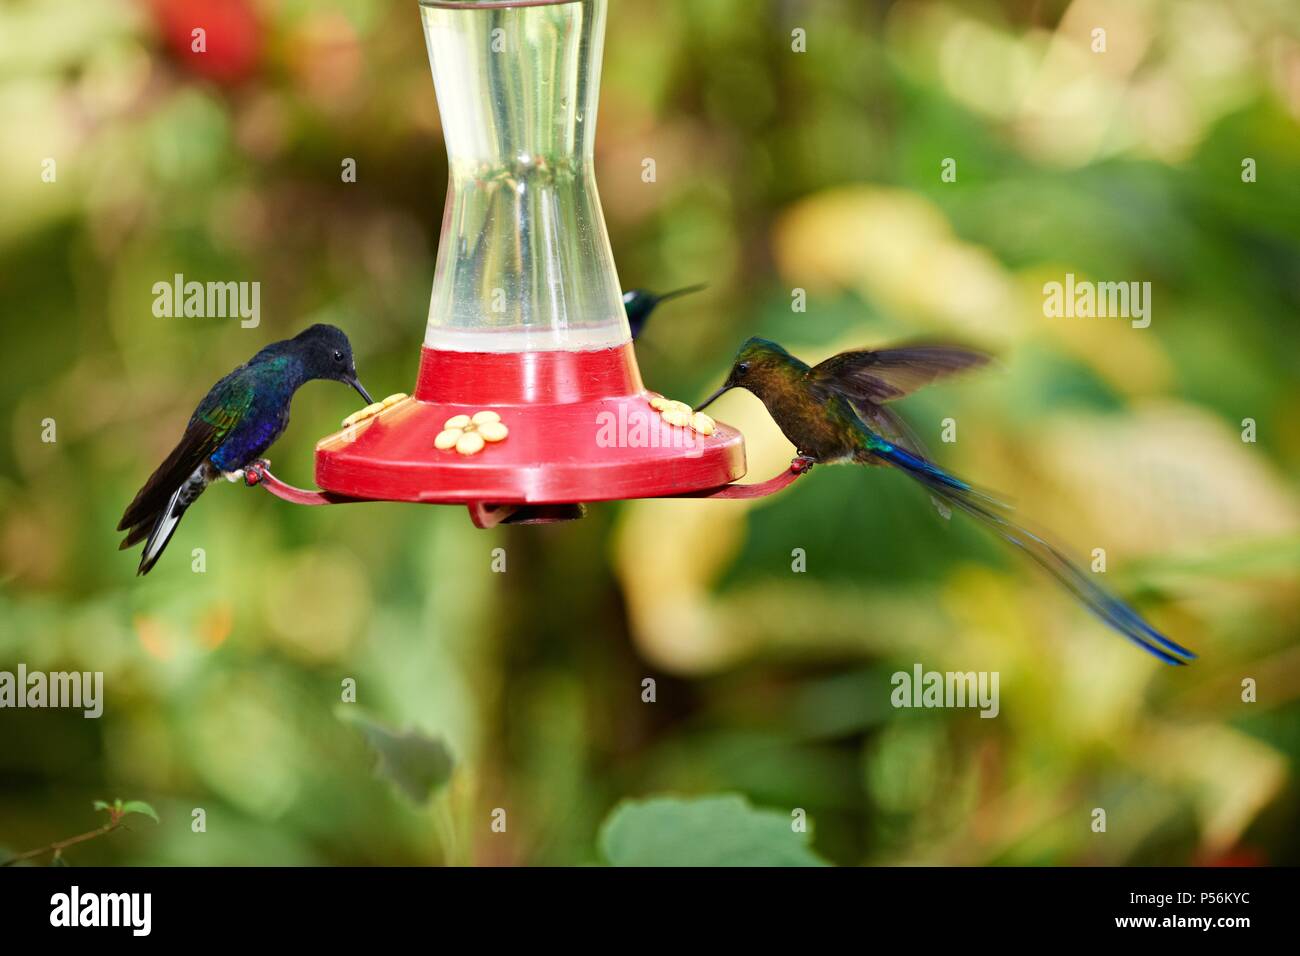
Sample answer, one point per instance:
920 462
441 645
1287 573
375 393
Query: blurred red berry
228 46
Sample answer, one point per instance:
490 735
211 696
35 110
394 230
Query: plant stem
59 846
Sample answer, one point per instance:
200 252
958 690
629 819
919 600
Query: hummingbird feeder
529 400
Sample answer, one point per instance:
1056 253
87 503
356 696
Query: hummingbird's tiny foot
256 471
803 463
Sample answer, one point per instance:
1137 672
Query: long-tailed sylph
836 411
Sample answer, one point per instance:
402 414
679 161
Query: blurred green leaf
416 763
139 806
702 831
118 809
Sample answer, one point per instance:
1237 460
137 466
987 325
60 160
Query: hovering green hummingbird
238 420
638 304
835 412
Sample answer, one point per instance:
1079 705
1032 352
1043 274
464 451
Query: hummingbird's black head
326 353
761 367
638 304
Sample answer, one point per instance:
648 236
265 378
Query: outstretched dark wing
888 374
220 411
868 379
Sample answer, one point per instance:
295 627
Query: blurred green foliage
777 170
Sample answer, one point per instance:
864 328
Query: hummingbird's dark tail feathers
1074 579
156 507
157 529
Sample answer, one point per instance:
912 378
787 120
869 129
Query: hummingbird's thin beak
714 397
686 291
364 394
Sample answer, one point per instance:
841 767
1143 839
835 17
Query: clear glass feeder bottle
526 321
524 262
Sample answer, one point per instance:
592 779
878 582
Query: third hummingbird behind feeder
639 303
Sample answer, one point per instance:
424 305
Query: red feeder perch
528 392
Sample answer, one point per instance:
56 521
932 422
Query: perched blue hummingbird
238 420
638 304
835 412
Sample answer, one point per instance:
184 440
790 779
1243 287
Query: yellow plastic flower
468 434
680 414
370 411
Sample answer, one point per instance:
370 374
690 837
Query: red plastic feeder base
580 425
